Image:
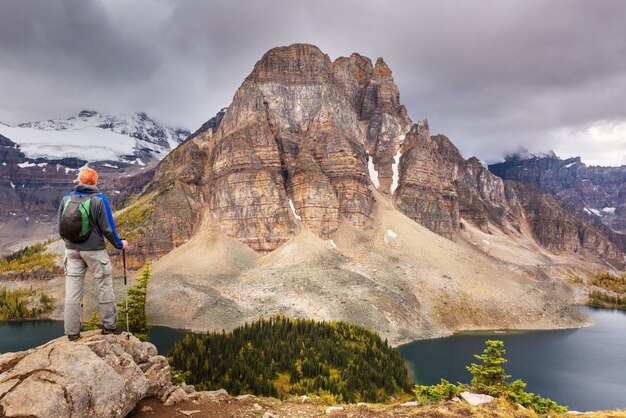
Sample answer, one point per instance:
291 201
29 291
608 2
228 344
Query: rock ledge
98 375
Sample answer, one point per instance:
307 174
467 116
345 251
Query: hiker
84 220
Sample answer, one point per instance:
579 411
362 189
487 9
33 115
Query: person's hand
124 244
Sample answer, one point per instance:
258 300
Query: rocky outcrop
97 376
437 186
560 231
598 191
375 96
210 126
426 189
483 199
291 150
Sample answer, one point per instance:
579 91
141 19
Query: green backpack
75 223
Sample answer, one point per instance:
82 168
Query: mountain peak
292 64
87 113
381 69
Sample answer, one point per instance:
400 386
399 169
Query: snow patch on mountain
293 210
94 136
592 211
372 171
396 174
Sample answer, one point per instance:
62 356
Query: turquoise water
584 369
22 335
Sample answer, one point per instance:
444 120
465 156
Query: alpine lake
584 368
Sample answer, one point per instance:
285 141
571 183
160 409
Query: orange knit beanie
88 176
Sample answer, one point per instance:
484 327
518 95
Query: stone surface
332 409
94 376
426 189
189 413
176 397
476 398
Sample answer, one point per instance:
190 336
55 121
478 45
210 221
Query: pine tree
137 296
92 322
489 377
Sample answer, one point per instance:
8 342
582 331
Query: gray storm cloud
494 76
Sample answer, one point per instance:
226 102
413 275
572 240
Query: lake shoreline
443 334
578 367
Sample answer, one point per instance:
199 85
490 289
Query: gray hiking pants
76 264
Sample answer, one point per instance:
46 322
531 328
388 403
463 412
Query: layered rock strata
558 230
598 191
292 149
437 186
304 143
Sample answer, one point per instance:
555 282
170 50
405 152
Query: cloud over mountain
492 76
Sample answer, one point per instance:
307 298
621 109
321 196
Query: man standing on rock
84 220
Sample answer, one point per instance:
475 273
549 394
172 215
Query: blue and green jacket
102 223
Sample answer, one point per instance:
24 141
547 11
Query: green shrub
516 393
137 298
92 322
23 304
29 259
606 300
490 378
610 282
442 392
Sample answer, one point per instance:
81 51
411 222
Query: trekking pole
125 290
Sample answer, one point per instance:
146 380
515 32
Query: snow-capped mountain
93 136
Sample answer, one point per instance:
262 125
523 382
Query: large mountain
314 194
596 191
39 162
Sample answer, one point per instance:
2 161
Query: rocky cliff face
437 186
560 231
303 145
292 149
597 191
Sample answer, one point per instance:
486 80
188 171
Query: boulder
177 396
476 398
97 375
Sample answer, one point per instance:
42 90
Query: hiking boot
116 331
73 337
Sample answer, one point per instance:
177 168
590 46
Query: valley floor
250 406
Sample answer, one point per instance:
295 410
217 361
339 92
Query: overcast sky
493 76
